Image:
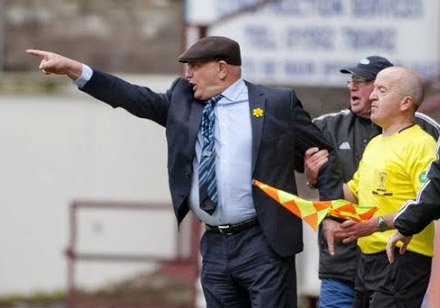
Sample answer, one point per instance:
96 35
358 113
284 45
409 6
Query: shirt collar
234 90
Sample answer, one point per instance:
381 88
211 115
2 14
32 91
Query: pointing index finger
38 53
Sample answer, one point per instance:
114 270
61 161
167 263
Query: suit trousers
242 270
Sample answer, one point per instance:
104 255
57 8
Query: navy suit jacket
279 139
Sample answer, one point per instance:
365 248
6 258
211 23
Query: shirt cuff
86 75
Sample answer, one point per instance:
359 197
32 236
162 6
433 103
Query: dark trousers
241 271
402 284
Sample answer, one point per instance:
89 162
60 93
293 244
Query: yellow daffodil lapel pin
258 112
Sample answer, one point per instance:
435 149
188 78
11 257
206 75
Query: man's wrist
86 75
381 224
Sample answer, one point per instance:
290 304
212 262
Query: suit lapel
194 121
256 100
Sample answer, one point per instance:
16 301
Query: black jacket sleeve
308 135
415 215
139 101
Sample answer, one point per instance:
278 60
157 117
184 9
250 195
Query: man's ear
222 69
407 103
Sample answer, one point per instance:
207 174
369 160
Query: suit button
187 174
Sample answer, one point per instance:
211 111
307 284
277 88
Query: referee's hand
394 239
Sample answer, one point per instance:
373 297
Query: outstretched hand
394 239
52 63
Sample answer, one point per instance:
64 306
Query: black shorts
402 284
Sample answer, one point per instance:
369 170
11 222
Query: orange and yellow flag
313 212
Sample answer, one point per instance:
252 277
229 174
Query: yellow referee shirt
392 171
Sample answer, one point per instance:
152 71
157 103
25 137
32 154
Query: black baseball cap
368 67
213 48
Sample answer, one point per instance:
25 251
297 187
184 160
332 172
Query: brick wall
133 36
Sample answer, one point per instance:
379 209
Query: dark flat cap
368 67
213 48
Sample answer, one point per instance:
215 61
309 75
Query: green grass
38 295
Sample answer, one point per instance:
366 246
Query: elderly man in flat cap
222 133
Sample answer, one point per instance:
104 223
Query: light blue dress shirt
233 161
233 147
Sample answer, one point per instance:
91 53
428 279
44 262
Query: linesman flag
313 212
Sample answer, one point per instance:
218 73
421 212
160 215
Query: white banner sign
308 41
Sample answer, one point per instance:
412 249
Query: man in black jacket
349 131
222 132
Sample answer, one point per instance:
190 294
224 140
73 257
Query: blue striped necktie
207 180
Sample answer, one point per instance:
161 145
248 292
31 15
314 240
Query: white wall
58 148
